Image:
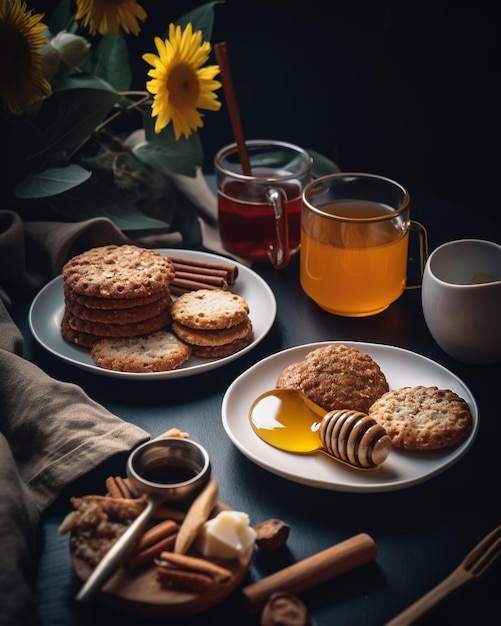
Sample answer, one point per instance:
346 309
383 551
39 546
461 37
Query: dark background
404 89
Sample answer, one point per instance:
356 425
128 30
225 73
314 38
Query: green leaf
201 18
94 199
51 182
80 105
178 157
113 63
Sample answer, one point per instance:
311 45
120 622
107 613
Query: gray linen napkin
51 433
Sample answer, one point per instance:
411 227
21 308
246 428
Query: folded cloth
55 431
51 433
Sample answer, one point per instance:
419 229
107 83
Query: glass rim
405 204
261 143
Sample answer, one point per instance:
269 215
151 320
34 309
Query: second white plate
47 310
401 469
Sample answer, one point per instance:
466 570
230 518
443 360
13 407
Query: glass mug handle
279 252
422 234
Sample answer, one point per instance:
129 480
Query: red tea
247 221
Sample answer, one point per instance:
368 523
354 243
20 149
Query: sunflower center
183 86
14 47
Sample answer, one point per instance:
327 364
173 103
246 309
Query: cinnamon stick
230 269
312 571
207 279
181 285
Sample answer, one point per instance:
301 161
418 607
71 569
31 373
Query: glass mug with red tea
259 213
355 242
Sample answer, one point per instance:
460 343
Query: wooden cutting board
138 592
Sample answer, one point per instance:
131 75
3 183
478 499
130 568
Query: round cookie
209 309
106 304
423 418
119 330
119 316
79 338
336 377
220 351
125 271
211 338
156 352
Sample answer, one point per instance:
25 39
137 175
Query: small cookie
157 352
336 377
423 418
118 330
125 271
221 351
213 337
209 309
111 303
79 338
119 316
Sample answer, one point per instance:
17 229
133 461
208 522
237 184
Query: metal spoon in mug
168 469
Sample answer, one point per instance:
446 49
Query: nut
284 609
272 534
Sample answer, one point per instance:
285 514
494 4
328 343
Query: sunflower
21 79
180 85
106 16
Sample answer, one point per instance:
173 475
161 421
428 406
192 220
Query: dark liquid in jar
168 474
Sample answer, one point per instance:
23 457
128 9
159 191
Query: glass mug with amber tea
354 242
259 214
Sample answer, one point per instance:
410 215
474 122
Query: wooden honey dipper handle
311 571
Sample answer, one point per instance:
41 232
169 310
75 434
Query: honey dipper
288 420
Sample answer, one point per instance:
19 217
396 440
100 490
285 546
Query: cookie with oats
222 350
79 338
119 316
112 271
336 376
118 330
210 338
209 309
423 418
106 304
157 352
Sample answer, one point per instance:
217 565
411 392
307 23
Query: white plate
401 469
47 310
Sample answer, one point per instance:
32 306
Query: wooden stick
223 60
312 571
198 269
217 281
191 285
232 270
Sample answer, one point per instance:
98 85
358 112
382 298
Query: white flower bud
72 49
50 60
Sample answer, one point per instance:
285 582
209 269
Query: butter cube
227 535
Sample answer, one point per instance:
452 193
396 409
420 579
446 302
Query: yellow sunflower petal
179 84
108 16
21 75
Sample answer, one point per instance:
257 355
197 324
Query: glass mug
259 215
354 242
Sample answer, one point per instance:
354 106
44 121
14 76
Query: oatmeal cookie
118 330
336 377
125 271
209 309
89 302
211 338
156 352
423 418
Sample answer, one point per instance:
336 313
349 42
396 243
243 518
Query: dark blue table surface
421 532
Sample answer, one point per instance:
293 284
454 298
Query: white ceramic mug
461 298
